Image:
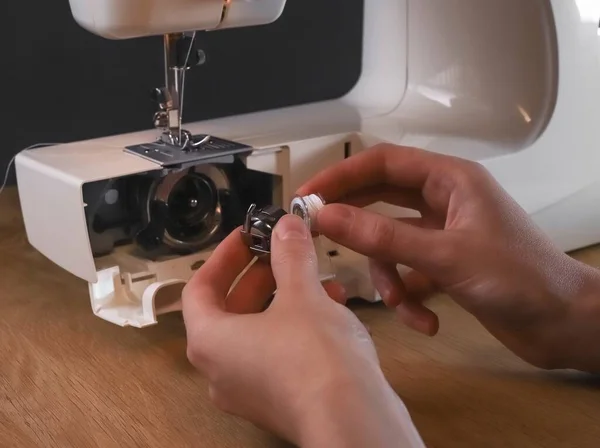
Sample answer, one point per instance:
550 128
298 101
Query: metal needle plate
212 148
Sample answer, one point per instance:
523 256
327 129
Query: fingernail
291 227
389 299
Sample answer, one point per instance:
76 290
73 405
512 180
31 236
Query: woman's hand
306 367
471 241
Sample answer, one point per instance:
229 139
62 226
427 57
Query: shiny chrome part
198 148
258 229
214 180
169 115
177 60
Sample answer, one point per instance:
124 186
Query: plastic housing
126 19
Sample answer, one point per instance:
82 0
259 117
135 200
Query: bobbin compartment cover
133 292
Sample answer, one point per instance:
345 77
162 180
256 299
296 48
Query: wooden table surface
70 379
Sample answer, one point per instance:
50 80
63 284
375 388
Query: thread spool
307 208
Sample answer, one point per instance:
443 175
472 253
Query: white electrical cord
12 161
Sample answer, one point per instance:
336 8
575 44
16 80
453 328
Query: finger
253 290
257 286
412 221
418 286
395 294
412 312
387 282
293 256
336 291
418 317
379 237
385 164
401 197
395 288
206 291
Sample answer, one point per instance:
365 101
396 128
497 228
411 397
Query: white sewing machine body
512 84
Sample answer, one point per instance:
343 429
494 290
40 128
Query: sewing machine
512 84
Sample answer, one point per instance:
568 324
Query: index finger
207 290
384 164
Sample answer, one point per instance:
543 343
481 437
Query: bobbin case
258 229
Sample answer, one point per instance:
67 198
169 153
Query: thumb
293 256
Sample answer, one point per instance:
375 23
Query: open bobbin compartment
137 281
107 225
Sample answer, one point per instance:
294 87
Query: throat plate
205 148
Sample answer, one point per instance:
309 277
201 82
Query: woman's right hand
472 242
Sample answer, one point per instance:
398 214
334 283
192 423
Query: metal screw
161 120
201 57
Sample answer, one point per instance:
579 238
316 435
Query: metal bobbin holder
307 208
260 223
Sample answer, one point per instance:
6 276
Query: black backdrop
66 84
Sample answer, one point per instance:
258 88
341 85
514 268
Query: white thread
307 208
12 161
314 203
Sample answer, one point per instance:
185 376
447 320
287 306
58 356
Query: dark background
66 84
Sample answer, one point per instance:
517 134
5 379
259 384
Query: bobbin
307 208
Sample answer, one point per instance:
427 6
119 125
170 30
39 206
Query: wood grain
69 379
